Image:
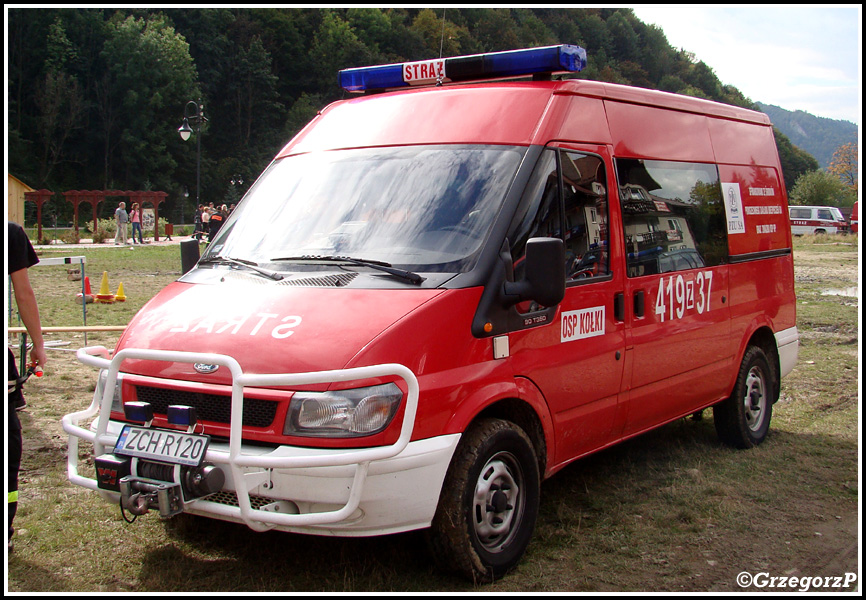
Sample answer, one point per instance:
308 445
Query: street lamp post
193 119
236 192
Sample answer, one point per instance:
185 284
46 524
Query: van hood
266 328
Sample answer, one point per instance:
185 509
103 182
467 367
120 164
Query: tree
61 104
371 25
818 188
495 30
60 101
625 41
596 38
336 47
442 39
253 96
152 76
844 166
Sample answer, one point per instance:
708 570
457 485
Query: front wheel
743 419
489 502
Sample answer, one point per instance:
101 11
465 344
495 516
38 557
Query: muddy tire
743 419
489 502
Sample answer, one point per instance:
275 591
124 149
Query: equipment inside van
444 290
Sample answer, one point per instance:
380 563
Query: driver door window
567 198
586 216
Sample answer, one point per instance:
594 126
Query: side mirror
544 274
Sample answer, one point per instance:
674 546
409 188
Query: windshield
427 208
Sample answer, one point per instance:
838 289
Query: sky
797 57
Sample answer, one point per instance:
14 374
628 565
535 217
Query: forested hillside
96 95
818 136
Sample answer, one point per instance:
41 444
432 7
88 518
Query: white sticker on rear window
733 207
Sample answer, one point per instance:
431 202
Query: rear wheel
489 502
743 420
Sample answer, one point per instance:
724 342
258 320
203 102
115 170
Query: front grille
209 407
230 498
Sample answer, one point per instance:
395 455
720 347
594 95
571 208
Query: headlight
346 413
116 401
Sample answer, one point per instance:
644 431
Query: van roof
813 206
648 97
513 114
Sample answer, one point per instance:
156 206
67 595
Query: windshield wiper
244 263
359 262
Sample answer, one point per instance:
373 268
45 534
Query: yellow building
15 199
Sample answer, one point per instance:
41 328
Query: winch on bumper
364 491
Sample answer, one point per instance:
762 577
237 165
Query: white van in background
816 219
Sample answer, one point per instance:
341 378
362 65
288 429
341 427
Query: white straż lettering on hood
229 312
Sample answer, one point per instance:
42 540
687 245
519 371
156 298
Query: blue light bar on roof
495 65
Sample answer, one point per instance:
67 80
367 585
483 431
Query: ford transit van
444 290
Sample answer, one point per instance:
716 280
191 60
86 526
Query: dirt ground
835 544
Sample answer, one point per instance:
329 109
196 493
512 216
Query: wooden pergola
40 197
97 197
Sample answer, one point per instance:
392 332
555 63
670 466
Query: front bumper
369 491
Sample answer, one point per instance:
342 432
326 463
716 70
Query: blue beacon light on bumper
495 65
181 415
141 412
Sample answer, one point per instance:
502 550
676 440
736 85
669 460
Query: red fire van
444 290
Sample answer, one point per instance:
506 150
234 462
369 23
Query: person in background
121 218
205 222
216 221
21 257
197 219
135 218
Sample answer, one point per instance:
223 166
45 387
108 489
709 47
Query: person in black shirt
21 257
216 221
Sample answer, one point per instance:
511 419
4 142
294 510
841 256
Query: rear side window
801 213
673 216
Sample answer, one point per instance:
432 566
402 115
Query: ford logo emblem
205 368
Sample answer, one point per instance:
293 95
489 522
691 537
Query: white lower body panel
788 343
399 493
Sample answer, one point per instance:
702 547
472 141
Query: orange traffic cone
120 296
88 295
104 296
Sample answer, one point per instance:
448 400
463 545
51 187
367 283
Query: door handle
619 307
639 304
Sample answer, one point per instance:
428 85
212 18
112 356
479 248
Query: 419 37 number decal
680 294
